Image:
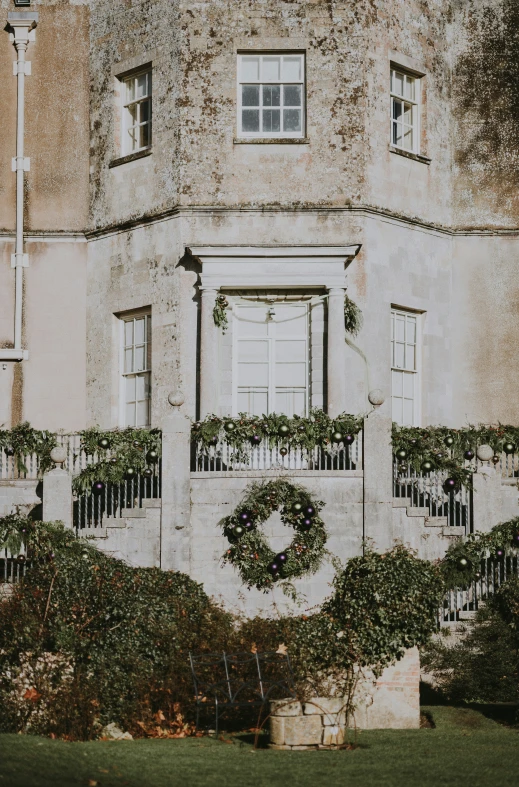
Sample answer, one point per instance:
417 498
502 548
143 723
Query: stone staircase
429 535
133 537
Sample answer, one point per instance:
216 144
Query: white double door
271 366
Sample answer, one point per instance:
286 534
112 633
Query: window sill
271 141
116 162
412 156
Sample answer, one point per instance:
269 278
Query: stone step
415 511
401 502
151 502
436 521
93 532
133 513
465 614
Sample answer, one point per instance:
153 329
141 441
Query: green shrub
482 666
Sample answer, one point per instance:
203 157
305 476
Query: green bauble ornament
283 429
113 460
229 426
427 466
336 437
104 443
130 472
152 456
238 531
509 448
401 454
449 440
147 472
297 508
283 451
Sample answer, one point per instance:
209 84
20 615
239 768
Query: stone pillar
378 481
209 387
336 372
487 498
176 488
57 491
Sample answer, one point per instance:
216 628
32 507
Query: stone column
176 488
209 387
378 481
57 491
488 498
336 372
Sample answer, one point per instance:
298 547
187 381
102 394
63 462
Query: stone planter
389 702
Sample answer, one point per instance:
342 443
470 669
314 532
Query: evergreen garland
259 566
220 312
277 430
119 454
22 441
352 316
461 564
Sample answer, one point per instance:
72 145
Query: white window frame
261 81
123 319
126 148
271 339
405 369
414 103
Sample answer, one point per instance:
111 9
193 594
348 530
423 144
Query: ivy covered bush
86 640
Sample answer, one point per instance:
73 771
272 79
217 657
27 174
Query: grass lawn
465 749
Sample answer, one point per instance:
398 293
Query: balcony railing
224 458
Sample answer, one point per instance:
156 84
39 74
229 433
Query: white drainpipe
21 32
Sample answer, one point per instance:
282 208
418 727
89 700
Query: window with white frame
405 111
405 378
136 112
136 370
271 359
271 95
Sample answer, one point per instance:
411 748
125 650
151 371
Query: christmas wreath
259 566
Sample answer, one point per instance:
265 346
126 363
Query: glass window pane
130 389
398 83
397 134
291 321
250 95
399 360
141 387
411 330
271 95
270 71
250 120
251 374
292 120
243 402
128 333
252 351
283 403
400 328
290 351
292 69
408 385
299 403
397 384
145 111
292 95
291 374
141 86
271 120
410 357
408 139
408 417
408 114
130 89
130 414
140 359
397 109
143 413
397 410
250 68
128 360
145 135
409 88
139 330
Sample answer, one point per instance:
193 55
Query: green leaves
352 316
23 440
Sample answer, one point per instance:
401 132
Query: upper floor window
405 380
136 370
136 120
405 115
271 95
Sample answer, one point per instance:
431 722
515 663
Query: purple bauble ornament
499 553
98 487
273 568
348 439
281 559
255 439
306 524
469 454
244 516
449 485
309 511
247 526
515 540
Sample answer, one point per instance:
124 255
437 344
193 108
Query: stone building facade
281 154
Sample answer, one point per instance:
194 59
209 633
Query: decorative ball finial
376 397
485 453
176 398
58 455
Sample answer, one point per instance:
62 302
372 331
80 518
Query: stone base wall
389 702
